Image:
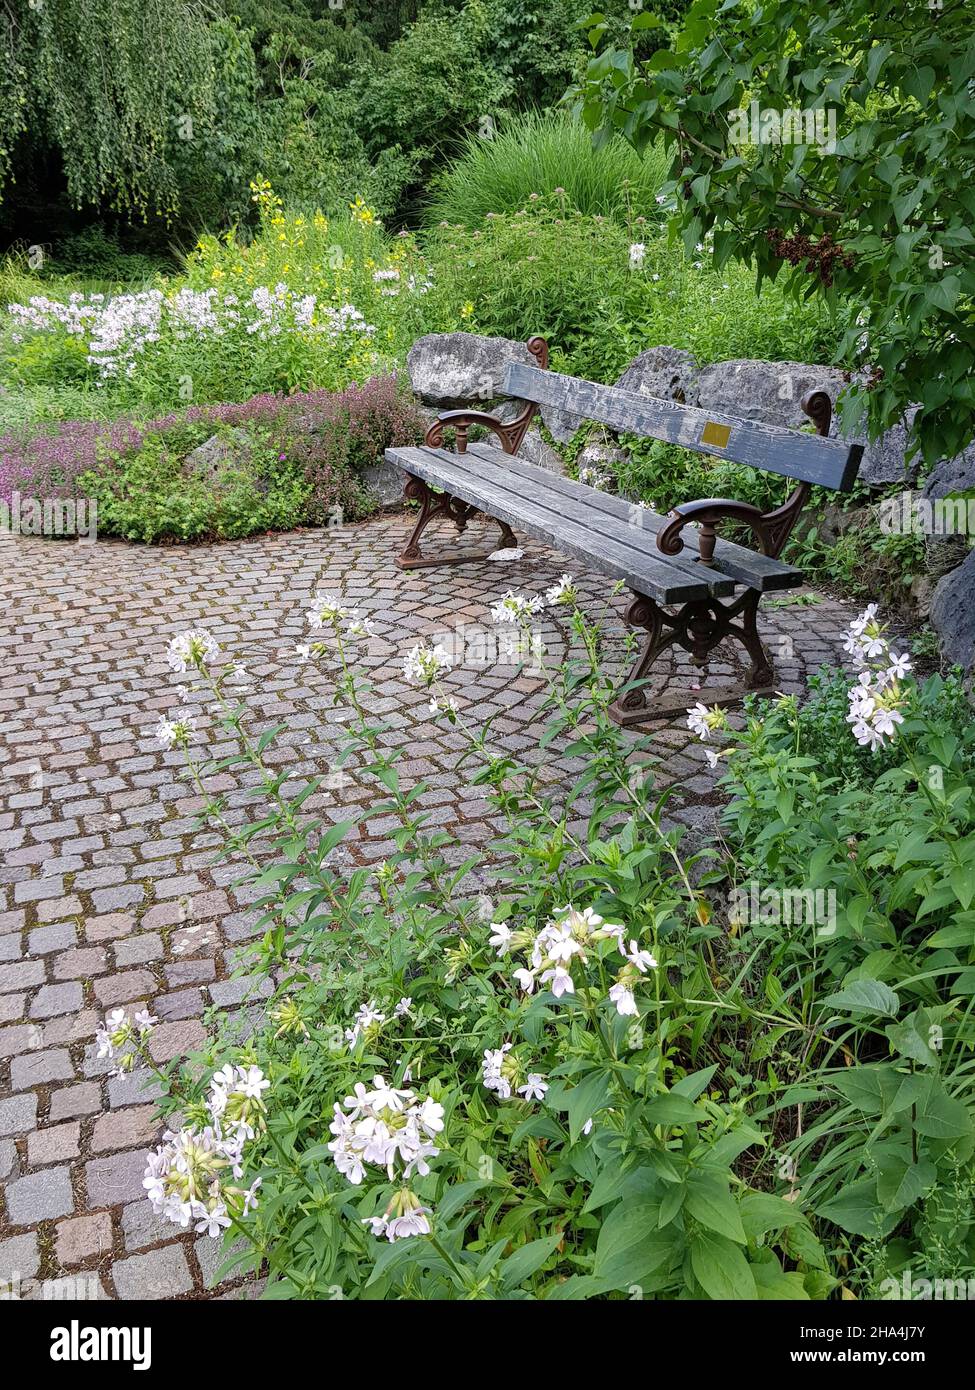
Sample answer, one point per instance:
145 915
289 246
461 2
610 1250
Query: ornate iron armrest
770 529
510 432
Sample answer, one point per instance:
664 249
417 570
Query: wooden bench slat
644 573
811 458
496 466
742 565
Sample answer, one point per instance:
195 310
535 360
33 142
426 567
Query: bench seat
678 561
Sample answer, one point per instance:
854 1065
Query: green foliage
883 990
551 270
535 154
632 1175
108 107
883 215
147 494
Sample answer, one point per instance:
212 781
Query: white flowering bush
476 1081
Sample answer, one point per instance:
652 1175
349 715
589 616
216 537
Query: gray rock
768 391
455 369
211 1255
885 459
19 1257
663 371
210 458
561 424
953 614
385 483
952 475
535 450
602 457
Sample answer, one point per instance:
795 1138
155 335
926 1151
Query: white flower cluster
566 943
176 733
326 613
515 608
121 328
704 722
878 697
187 1175
369 1019
192 649
423 665
501 1072
391 1129
121 1037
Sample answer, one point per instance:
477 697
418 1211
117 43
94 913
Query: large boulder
771 392
953 614
663 371
211 458
450 370
950 476
885 459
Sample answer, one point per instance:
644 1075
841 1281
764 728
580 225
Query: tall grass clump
538 153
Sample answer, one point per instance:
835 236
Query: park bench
675 562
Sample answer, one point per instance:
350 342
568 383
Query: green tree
112 85
882 215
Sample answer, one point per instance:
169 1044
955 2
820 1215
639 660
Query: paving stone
168 1040
114 1179
57 937
83 1237
19 1256
34 1068
56 999
162 1273
141 1226
79 964
121 1128
21 975
53 1145
124 987
82 1099
17 1114
211 1255
38 1196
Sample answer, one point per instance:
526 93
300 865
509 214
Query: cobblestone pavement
109 893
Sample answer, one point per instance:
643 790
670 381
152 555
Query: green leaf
630 1246
527 1259
900 1183
865 996
672 1110
584 1100
710 1202
720 1268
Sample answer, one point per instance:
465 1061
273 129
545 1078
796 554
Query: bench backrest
810 458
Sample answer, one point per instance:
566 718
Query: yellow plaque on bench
716 434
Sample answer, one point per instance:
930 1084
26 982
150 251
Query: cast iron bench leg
437 505
698 627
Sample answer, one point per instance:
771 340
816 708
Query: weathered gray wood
737 561
812 458
653 575
495 466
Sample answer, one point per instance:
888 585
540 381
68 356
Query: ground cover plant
270 463
595 1071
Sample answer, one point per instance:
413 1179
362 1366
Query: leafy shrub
308 303
875 1003
538 153
285 461
547 269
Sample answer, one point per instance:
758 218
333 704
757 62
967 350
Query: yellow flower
466 310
